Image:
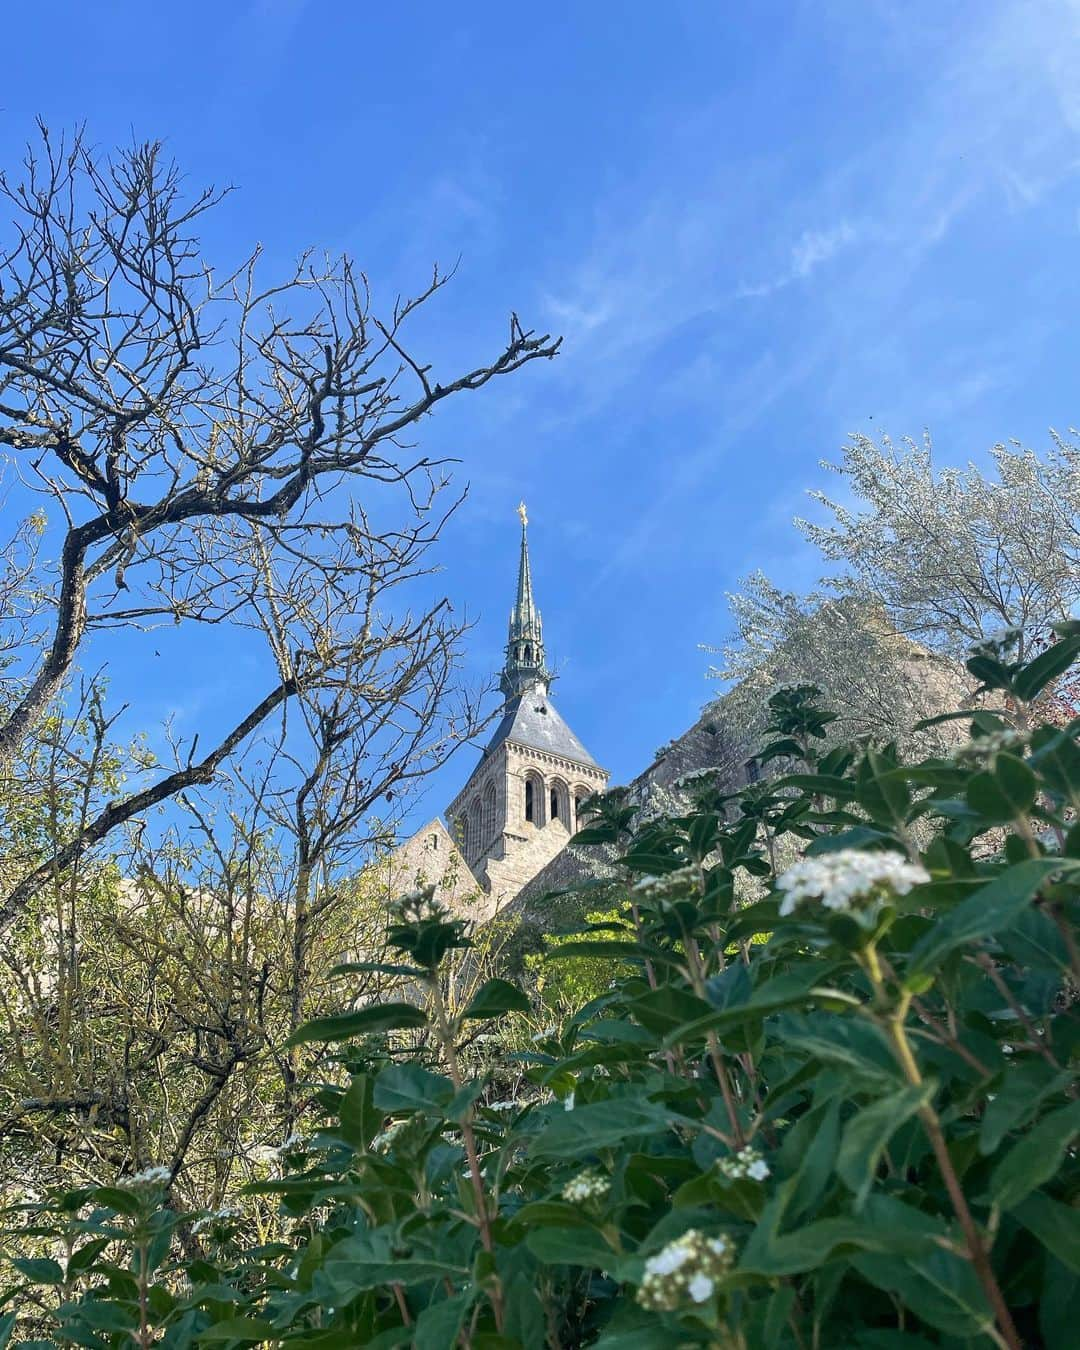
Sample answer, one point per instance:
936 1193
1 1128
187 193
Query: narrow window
530 803
554 804
528 655
433 842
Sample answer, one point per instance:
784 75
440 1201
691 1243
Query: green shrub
859 1132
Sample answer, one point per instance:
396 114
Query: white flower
150 1176
687 1268
700 1287
668 1260
747 1163
849 880
586 1186
215 1216
670 885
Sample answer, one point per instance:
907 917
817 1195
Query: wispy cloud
810 250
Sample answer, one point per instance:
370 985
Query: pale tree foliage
925 562
226 451
954 556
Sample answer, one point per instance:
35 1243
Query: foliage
923 563
860 1131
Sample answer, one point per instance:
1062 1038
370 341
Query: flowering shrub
843 1115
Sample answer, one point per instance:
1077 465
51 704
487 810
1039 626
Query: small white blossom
586 1186
747 1163
670 885
700 1287
150 1176
687 1268
216 1216
849 880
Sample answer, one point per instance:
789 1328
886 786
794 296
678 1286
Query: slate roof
532 719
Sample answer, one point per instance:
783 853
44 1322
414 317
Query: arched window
489 813
463 833
581 796
528 655
476 826
559 799
534 798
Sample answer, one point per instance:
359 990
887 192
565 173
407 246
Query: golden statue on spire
522 513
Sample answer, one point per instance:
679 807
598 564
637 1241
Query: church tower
520 805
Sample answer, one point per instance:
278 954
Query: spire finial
525 664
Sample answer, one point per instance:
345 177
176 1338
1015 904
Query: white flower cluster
670 885
385 1138
848 880
687 1268
746 1164
586 1186
984 748
149 1176
215 1216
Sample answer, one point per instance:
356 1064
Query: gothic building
520 804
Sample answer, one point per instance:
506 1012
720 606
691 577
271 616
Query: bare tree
208 441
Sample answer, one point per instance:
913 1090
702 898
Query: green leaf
438 1325
410 1087
248 1329
570 1247
989 910
937 1287
39 1269
1004 793
608 1124
1036 1157
377 1017
867 1134
1057 1226
495 998
85 1256
667 1008
118 1198
1024 1086
1047 666
370 1259
360 1118
889 1228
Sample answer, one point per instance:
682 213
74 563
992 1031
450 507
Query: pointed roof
531 719
525 664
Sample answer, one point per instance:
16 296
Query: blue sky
760 227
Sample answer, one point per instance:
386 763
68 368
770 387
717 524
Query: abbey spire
521 803
525 665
